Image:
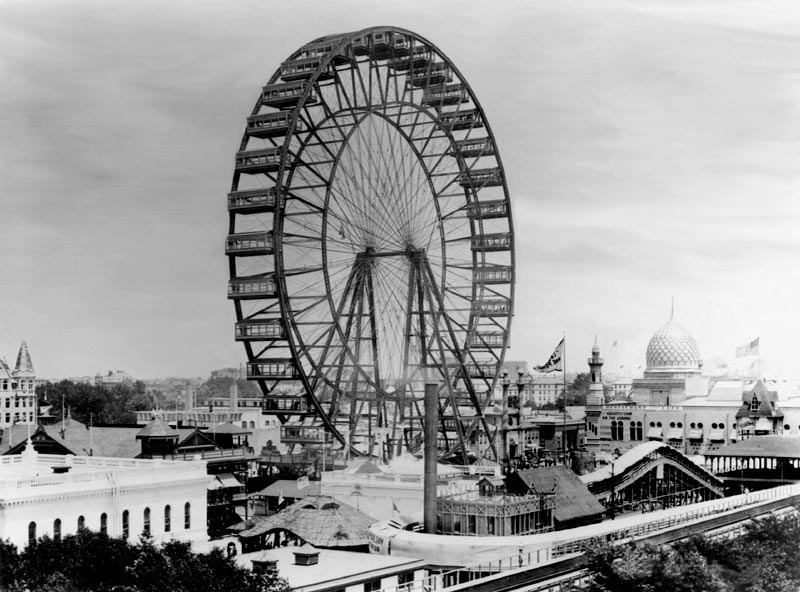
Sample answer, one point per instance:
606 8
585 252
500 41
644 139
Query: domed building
673 370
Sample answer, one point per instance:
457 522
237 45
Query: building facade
18 391
673 404
55 495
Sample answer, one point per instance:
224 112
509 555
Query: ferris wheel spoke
375 267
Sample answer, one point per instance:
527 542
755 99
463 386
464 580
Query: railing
462 576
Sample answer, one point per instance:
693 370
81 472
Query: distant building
673 404
56 495
327 570
673 370
113 378
235 373
18 391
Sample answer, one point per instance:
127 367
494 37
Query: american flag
748 349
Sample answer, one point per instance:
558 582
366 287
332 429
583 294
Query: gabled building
18 391
759 414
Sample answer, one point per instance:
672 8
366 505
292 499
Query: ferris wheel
371 248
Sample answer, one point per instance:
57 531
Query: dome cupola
672 348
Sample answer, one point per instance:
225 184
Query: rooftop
319 520
334 566
762 447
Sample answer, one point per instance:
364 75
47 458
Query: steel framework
371 247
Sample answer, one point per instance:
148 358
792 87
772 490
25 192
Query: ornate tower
24 384
595 397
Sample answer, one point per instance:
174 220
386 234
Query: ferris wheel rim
285 297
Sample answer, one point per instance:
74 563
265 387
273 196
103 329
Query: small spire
672 308
24 364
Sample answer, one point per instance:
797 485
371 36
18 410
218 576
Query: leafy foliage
90 561
96 403
215 388
766 558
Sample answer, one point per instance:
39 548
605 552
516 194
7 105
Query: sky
651 149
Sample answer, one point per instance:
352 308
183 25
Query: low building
491 510
318 520
55 495
327 570
573 504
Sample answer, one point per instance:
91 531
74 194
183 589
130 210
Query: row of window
18 417
20 402
618 430
23 385
126 515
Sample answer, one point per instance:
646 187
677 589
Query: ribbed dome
672 347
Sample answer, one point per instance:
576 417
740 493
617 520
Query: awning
675 434
228 480
654 433
696 434
717 435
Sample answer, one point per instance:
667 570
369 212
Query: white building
54 495
545 389
18 391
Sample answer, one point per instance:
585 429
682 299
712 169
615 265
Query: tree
647 568
95 403
766 558
91 561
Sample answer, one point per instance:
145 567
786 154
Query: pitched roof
573 499
118 442
24 364
5 371
228 428
368 467
288 488
762 446
319 520
157 428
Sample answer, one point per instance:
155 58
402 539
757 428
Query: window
167 518
126 524
372 585
244 424
187 515
57 529
405 578
104 523
31 533
639 431
146 517
81 522
633 430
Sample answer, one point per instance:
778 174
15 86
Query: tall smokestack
234 397
431 421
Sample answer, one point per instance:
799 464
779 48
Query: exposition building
55 495
675 404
